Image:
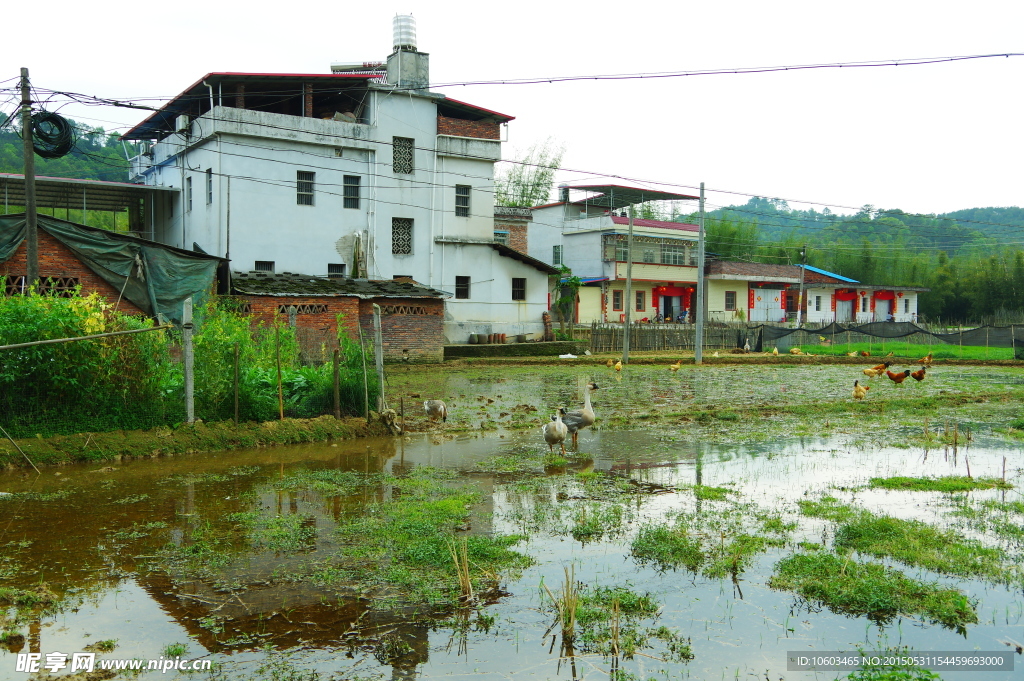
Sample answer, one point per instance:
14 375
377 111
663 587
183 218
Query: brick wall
516 233
488 130
413 324
265 309
57 260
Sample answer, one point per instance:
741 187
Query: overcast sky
926 139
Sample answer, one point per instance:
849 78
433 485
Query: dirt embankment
186 439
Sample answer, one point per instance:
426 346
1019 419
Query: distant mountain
98 155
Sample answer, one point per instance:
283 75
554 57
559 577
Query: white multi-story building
359 173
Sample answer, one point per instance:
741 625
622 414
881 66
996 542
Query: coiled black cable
53 136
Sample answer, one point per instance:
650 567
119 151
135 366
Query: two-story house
364 174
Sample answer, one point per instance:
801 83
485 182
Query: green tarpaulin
156 278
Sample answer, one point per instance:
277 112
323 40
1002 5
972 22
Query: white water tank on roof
404 26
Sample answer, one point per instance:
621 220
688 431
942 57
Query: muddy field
712 521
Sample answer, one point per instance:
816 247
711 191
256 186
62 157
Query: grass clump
280 533
948 483
876 591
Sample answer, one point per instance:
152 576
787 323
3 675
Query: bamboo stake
236 383
366 385
280 388
37 470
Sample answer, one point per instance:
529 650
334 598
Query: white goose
556 431
578 419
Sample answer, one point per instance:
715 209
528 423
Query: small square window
351 191
462 200
264 265
402 155
556 255
501 237
305 184
617 301
640 306
462 288
401 236
336 270
730 301
518 288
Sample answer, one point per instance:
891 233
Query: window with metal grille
209 186
650 255
906 305
335 270
462 288
673 254
556 255
401 154
264 266
188 194
730 300
401 236
621 251
518 288
305 184
617 300
817 303
693 256
351 191
640 307
462 200
501 237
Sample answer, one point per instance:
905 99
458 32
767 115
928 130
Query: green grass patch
948 483
870 589
828 508
281 533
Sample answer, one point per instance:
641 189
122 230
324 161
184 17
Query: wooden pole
701 302
189 360
628 304
378 356
366 384
236 383
337 383
280 387
32 237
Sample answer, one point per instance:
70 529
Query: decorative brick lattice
401 161
403 309
303 309
61 287
401 236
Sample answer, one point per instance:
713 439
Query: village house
361 173
589 236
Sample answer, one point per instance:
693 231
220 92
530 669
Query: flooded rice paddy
660 549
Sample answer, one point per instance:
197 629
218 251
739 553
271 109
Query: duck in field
435 410
556 431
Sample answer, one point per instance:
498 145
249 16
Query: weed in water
175 649
871 589
949 483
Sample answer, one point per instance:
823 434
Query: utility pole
32 238
698 336
800 301
629 288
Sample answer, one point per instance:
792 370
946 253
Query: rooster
926 360
897 378
919 374
675 367
860 391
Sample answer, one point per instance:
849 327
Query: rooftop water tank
404 26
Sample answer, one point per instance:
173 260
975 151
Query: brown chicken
898 378
926 360
919 374
876 371
865 353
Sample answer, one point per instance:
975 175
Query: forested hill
972 230
98 155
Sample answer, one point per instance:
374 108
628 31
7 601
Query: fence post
280 388
189 360
366 384
337 383
236 383
378 356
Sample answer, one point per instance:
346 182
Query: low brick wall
457 127
412 329
552 349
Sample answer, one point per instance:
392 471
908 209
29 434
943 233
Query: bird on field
926 360
860 391
675 367
436 409
746 345
876 371
796 351
715 353
891 354
556 431
898 378
578 419
919 374
618 365
865 353
775 351
852 354
610 363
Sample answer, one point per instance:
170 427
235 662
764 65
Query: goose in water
578 419
436 409
555 431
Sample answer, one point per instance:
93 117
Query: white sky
925 139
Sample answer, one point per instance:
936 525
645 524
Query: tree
569 288
528 181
